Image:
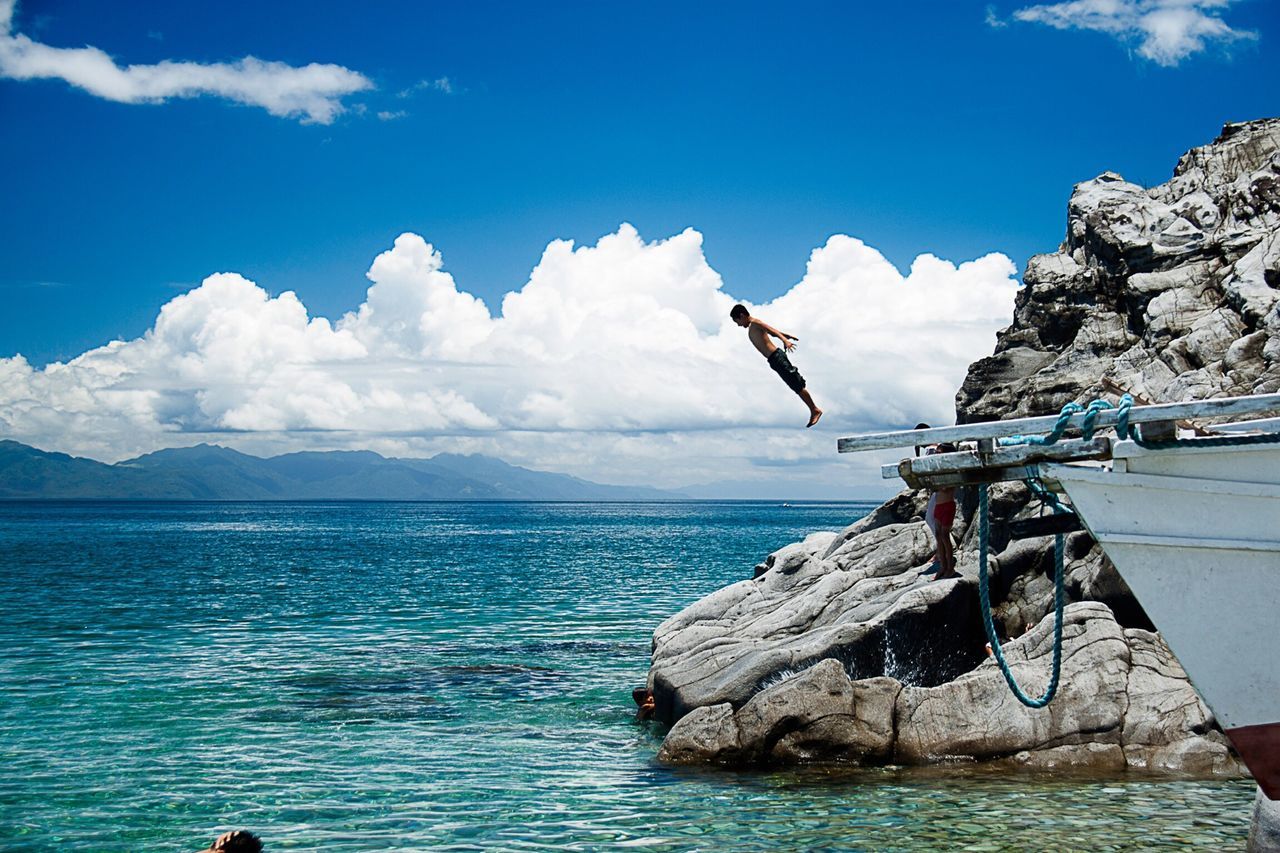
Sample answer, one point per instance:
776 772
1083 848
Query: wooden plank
1021 455
966 478
1226 407
966 466
1259 425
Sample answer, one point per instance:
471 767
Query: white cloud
440 84
616 362
1166 31
311 92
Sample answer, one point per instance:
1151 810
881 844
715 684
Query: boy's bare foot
948 576
813 419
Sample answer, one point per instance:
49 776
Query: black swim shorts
783 367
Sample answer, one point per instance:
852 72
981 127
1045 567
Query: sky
517 229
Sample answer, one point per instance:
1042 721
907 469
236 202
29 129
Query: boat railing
987 462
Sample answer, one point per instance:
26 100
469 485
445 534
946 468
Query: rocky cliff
838 649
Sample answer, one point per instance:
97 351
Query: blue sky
950 128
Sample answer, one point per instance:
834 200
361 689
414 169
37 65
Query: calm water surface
441 676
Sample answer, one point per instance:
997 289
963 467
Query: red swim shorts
945 513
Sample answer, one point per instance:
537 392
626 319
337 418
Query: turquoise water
441 676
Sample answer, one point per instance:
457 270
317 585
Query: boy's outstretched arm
787 340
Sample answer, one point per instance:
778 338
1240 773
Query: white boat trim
1101 476
1133 450
1192 542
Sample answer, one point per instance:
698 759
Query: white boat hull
1195 532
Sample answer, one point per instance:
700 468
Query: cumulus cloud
1166 31
615 361
311 92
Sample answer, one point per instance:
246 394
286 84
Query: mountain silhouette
210 472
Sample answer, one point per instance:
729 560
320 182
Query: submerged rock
1264 832
838 649
818 714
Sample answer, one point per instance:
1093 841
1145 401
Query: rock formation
839 650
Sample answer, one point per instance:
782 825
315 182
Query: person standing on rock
944 515
939 515
759 331
933 567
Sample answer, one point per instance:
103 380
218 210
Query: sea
445 676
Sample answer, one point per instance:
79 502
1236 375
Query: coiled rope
1064 418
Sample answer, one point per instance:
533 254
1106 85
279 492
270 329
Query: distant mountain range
208 472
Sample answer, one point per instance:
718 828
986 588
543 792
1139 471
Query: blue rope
1130 431
1122 419
1054 434
1059 600
1064 417
1046 497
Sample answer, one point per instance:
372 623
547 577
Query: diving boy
759 331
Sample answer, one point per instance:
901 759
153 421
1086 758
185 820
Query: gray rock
1167 726
1264 831
706 734
1123 701
1099 757
860 730
901 508
885 551
1245 361
1199 756
976 715
1212 335
1172 312
1247 288
818 714
1163 706
858 605
1187 276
